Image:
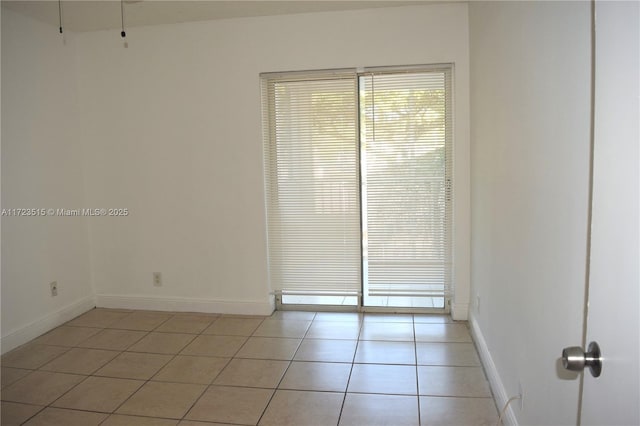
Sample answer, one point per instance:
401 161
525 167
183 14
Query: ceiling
92 15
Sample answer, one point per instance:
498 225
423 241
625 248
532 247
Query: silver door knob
575 359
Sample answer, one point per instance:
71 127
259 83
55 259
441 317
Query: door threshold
362 309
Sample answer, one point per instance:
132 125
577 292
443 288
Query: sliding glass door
405 178
312 187
358 182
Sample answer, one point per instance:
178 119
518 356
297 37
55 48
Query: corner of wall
460 311
41 325
41 170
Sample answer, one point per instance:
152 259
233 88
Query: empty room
320 213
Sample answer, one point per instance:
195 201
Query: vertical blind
405 120
358 173
313 208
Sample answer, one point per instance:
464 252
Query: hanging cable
60 14
504 409
123 34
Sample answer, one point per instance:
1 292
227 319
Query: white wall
172 127
41 168
530 88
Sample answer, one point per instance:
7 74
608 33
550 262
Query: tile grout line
149 380
50 404
45 363
152 376
353 360
121 352
286 369
157 372
92 374
208 386
415 350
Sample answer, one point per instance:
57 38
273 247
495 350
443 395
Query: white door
613 309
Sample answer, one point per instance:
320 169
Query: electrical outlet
54 288
157 279
521 393
478 303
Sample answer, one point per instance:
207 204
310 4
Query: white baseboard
180 304
459 311
497 387
22 335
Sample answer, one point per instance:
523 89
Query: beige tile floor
117 367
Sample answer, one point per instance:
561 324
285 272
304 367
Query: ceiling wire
123 34
60 14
